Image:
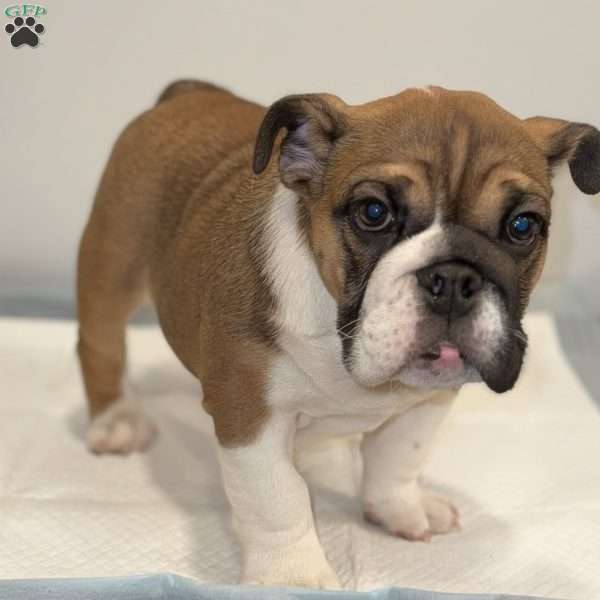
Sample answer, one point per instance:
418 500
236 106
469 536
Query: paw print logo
24 32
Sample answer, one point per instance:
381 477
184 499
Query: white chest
311 379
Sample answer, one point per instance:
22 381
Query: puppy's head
428 216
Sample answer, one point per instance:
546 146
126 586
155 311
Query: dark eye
373 215
522 229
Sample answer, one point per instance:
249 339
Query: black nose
450 288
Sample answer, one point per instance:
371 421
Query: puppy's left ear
314 122
576 143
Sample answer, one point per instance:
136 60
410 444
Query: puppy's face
428 216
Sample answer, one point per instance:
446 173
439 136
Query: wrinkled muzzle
439 310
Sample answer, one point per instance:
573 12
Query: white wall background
101 62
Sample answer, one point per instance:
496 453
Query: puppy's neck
303 306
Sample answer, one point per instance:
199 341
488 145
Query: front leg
393 457
272 512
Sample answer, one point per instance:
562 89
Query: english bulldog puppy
324 270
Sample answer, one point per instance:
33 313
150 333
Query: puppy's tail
184 86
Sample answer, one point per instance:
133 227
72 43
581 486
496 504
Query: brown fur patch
178 208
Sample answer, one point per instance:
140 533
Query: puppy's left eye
522 229
373 215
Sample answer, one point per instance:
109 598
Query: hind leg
110 286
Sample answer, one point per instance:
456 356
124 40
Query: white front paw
121 429
413 514
302 564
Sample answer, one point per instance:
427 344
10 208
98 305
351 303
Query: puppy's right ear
314 122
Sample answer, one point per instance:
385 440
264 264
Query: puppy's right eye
373 215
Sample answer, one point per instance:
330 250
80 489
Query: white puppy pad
523 468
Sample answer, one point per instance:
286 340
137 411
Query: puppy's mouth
442 365
444 357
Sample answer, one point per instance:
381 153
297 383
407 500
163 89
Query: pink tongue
449 358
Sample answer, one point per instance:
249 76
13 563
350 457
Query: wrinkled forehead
453 148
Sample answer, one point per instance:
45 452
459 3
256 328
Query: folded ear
576 143
314 122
